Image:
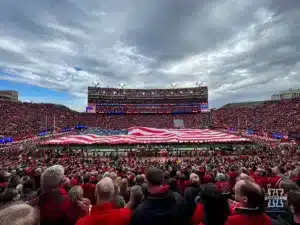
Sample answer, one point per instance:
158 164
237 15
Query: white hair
19 188
220 177
21 214
105 189
106 174
113 176
194 177
52 177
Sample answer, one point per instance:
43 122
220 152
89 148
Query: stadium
147 117
150 113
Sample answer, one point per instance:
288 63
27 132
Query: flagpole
54 125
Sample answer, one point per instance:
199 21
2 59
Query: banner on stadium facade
204 107
91 108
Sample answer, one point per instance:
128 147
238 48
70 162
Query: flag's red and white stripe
140 135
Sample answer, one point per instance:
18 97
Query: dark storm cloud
242 49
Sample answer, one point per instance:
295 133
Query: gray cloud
242 49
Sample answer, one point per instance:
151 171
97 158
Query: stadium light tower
122 85
173 85
199 84
96 83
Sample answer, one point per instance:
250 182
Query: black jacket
190 194
167 208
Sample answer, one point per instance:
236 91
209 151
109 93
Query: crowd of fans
146 93
215 189
271 116
150 108
23 119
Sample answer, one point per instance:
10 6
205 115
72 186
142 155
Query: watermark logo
276 199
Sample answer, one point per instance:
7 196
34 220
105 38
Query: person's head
14 181
166 175
154 177
38 172
86 178
28 186
75 194
113 176
139 180
52 178
216 208
124 184
20 214
293 199
288 185
194 178
249 194
9 195
136 196
105 190
220 177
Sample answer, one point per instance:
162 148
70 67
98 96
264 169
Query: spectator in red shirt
105 212
274 181
89 189
53 204
251 198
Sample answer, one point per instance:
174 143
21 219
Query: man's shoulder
122 216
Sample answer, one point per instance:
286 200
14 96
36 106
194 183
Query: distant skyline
243 50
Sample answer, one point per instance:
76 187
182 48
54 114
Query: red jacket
224 187
106 214
246 219
274 181
198 214
262 181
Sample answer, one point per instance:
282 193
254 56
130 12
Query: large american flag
143 135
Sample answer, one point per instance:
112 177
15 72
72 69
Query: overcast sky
242 49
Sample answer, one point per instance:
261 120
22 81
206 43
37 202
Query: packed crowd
272 116
23 119
147 93
197 120
215 189
154 108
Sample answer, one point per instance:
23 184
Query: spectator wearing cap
89 189
251 199
53 204
19 214
162 207
79 206
105 212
